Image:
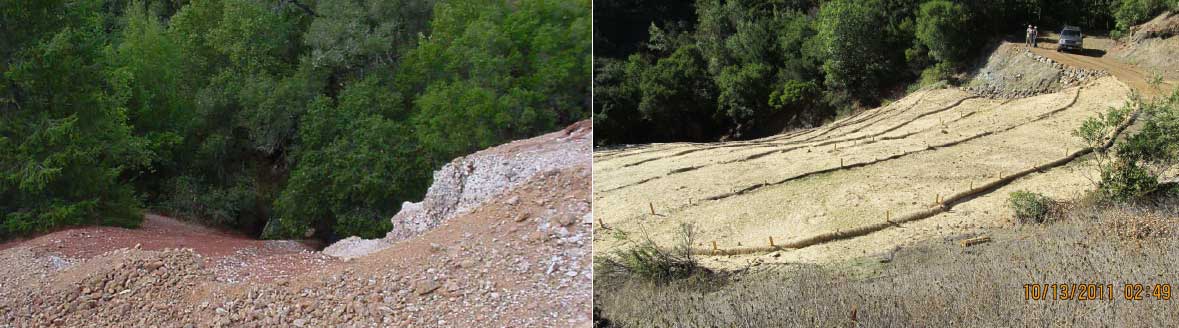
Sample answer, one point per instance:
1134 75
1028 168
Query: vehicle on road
1071 38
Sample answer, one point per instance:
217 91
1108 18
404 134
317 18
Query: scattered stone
425 287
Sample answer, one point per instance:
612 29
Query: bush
1029 207
647 261
938 73
1123 181
1143 157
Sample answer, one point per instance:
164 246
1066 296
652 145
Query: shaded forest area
282 118
710 70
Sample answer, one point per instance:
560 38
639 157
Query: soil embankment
1152 46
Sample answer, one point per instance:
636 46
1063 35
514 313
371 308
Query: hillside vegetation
280 118
711 69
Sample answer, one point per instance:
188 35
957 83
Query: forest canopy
706 70
275 117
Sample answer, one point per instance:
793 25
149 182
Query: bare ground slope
857 171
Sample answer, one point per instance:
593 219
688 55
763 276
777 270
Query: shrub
647 261
1029 207
1124 181
1144 156
939 73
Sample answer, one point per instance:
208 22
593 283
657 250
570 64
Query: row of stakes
937 200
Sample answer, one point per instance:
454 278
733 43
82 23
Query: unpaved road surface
857 171
1094 58
519 259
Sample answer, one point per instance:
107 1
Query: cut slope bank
1153 46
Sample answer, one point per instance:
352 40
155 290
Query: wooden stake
652 207
841 162
772 241
975 241
713 247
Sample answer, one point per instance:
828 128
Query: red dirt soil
234 257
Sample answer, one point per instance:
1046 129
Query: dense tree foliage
757 67
1130 12
275 117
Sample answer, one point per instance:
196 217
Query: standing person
1027 36
1035 36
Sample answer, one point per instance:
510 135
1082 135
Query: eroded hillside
855 178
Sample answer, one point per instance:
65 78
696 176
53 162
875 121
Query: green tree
159 111
943 27
64 137
616 100
491 72
358 34
357 161
856 55
678 100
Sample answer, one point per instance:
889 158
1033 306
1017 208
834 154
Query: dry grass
935 284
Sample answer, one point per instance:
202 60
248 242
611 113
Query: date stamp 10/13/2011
1097 292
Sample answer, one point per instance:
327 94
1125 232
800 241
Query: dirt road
858 171
1094 57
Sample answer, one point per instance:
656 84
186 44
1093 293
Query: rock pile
1013 72
116 287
